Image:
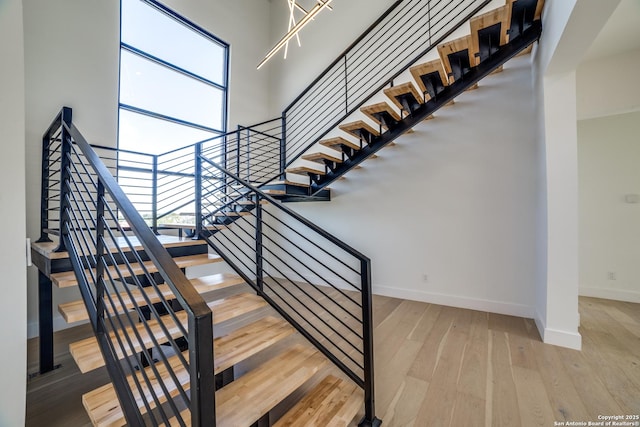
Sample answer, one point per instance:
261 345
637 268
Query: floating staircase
496 36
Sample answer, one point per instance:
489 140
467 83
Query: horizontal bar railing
162 186
318 283
406 32
138 305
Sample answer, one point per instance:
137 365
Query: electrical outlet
611 275
425 277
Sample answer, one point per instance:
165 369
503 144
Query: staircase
284 336
228 349
413 94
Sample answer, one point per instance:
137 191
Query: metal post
248 150
370 419
346 87
283 147
198 189
238 150
99 327
154 194
45 322
65 162
201 368
259 261
44 190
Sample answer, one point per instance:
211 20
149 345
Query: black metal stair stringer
470 78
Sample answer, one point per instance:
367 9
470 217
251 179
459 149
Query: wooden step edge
67 279
351 127
102 403
86 352
75 311
248 398
332 402
303 170
193 226
46 249
321 157
335 142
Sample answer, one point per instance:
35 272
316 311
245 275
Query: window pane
138 132
149 30
149 86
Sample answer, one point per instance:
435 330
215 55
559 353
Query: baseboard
499 307
58 324
613 294
572 340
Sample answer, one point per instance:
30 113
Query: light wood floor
443 366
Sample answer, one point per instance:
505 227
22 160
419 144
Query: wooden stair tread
339 141
287 182
426 68
403 89
102 403
375 110
248 398
231 214
272 192
353 128
333 402
500 15
193 226
454 46
46 249
86 353
321 157
67 279
304 170
75 311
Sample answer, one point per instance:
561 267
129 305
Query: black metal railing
162 187
318 283
140 304
253 152
407 31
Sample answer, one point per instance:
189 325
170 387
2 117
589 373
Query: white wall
244 24
323 39
76 64
456 200
13 316
609 154
598 95
569 29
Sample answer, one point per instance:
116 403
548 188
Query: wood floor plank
424 365
504 396
533 401
439 402
590 387
566 404
578 384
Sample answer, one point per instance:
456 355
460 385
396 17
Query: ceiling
621 33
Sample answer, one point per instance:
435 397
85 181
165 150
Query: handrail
396 37
106 261
317 282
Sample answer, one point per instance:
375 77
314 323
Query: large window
173 80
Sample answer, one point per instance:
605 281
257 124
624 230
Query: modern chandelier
294 28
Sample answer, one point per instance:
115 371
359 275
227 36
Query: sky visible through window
172 81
